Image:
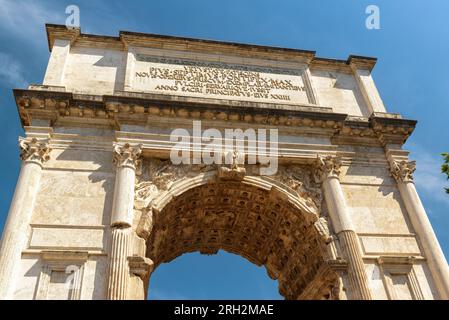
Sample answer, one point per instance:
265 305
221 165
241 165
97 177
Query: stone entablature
98 196
141 109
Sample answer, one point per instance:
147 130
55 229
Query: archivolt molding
160 179
260 224
160 182
272 221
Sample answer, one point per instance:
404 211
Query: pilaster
361 68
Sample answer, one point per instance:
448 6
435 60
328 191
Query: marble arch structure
99 205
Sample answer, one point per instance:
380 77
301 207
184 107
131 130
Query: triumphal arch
321 194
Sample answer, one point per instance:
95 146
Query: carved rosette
327 167
34 150
403 170
128 156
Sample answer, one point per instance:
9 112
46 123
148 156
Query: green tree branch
445 167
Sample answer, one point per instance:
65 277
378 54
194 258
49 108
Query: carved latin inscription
219 80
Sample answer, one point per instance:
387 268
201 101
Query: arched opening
264 225
194 276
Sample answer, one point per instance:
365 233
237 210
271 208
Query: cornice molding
391 128
125 39
138 108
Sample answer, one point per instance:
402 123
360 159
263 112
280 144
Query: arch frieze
157 177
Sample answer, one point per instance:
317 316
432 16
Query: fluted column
402 171
119 269
327 172
127 160
34 153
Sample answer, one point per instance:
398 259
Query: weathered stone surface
258 225
72 238
98 195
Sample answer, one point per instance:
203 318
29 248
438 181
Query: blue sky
411 74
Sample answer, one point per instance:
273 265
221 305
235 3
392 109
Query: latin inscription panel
218 80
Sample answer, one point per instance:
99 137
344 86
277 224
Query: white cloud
428 177
11 72
26 19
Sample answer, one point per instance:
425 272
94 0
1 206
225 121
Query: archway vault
261 220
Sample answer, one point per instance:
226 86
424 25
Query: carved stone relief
227 212
403 171
159 175
32 149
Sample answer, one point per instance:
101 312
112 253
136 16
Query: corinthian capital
32 149
327 167
403 170
127 155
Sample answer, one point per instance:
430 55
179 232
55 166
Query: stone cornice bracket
391 129
140 266
61 32
127 155
403 170
327 167
359 62
34 150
